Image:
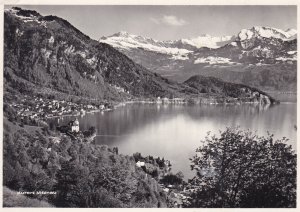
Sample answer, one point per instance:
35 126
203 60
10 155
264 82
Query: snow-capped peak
128 41
208 41
181 48
125 35
266 32
121 34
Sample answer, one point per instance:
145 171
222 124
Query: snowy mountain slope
208 41
179 59
127 41
266 32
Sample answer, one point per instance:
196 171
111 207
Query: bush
12 199
172 179
137 156
90 132
240 169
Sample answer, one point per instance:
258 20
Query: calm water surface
175 131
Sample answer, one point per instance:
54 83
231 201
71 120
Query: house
90 106
166 190
165 100
82 111
140 164
74 125
159 101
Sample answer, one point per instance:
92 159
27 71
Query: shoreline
185 103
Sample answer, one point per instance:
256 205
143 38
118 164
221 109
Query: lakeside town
41 108
34 107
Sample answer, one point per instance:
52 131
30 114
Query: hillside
82 174
47 55
48 52
237 92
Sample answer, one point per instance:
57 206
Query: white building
140 164
74 125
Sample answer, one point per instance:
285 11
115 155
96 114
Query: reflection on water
174 131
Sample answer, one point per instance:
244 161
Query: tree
240 169
90 132
65 144
52 126
137 156
71 181
172 179
180 175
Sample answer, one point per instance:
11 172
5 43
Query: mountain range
263 57
48 55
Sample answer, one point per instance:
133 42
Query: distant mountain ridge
256 48
45 54
125 40
267 32
121 38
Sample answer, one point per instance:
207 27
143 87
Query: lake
175 131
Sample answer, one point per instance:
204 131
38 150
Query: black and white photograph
149 106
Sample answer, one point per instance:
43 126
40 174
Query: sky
170 22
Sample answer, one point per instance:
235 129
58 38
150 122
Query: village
41 108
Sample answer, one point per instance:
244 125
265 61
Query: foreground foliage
13 199
240 169
82 174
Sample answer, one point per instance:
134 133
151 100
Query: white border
137 2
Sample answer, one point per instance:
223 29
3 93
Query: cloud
170 20
173 20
